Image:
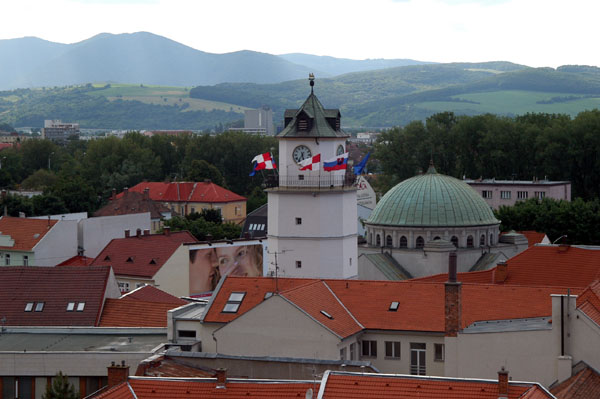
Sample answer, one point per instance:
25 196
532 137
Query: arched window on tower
420 243
482 240
470 242
388 241
403 242
437 238
492 239
454 241
378 240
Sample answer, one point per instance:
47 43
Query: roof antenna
311 79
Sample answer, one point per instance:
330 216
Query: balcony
325 182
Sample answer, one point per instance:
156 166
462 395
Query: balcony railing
323 182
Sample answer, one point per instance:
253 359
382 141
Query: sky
538 33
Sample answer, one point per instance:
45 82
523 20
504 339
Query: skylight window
324 313
80 306
29 307
394 306
39 306
234 302
70 306
268 295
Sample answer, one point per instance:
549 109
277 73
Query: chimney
127 233
146 193
208 237
502 384
452 299
117 374
500 273
146 232
125 191
221 375
138 232
167 231
114 194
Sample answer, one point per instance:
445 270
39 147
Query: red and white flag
312 163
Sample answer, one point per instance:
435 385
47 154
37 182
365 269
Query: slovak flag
337 163
263 161
313 163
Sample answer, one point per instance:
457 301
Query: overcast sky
530 32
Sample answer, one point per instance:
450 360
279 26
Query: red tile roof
133 202
144 307
533 237
159 388
356 304
77 260
540 265
141 256
186 192
584 384
589 302
161 367
340 385
25 232
56 288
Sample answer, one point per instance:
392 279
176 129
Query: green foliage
76 194
200 228
256 199
201 170
39 180
60 388
578 219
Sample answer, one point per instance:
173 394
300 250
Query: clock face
340 150
301 153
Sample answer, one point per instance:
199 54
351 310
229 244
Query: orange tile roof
141 256
133 202
584 384
533 237
340 385
161 367
206 192
159 388
25 232
77 260
589 301
150 293
540 265
357 304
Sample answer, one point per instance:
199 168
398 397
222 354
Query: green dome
432 199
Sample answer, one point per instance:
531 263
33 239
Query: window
70 306
417 358
7 259
39 306
238 211
522 194
420 243
343 354
193 209
298 264
392 349
369 349
470 242
394 306
186 333
267 295
482 239
324 313
540 194
378 240
403 242
80 306
437 238
491 239
25 260
505 194
29 307
300 177
454 241
439 352
124 287
352 351
388 241
486 194
298 220
234 302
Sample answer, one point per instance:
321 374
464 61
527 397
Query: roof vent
130 259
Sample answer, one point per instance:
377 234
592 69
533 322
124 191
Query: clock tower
312 213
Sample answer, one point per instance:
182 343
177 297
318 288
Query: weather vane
311 78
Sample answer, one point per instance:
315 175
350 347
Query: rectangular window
298 220
522 194
505 194
394 306
298 264
234 302
238 211
439 352
392 349
300 177
486 194
25 260
343 354
352 351
80 306
39 306
70 306
540 195
7 259
186 333
193 209
29 307
417 358
369 349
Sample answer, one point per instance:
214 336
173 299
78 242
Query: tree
201 170
39 180
60 388
256 199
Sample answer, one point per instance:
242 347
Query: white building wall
58 245
95 233
174 276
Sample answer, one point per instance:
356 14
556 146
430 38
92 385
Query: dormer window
130 259
302 125
153 261
107 257
70 306
234 302
39 306
29 307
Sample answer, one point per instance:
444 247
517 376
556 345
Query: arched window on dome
378 240
420 243
403 242
492 239
482 240
470 242
454 241
388 241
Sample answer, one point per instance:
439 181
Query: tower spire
311 79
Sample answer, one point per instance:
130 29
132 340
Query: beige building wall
127 284
234 212
277 328
174 276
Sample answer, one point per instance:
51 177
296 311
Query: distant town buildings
59 131
258 121
499 193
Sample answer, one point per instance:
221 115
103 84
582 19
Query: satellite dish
309 393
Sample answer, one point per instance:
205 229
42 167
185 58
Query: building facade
497 193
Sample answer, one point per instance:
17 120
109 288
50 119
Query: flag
359 168
312 163
263 161
337 163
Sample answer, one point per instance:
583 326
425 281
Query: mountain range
147 58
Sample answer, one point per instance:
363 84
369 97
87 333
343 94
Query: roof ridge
343 306
300 308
